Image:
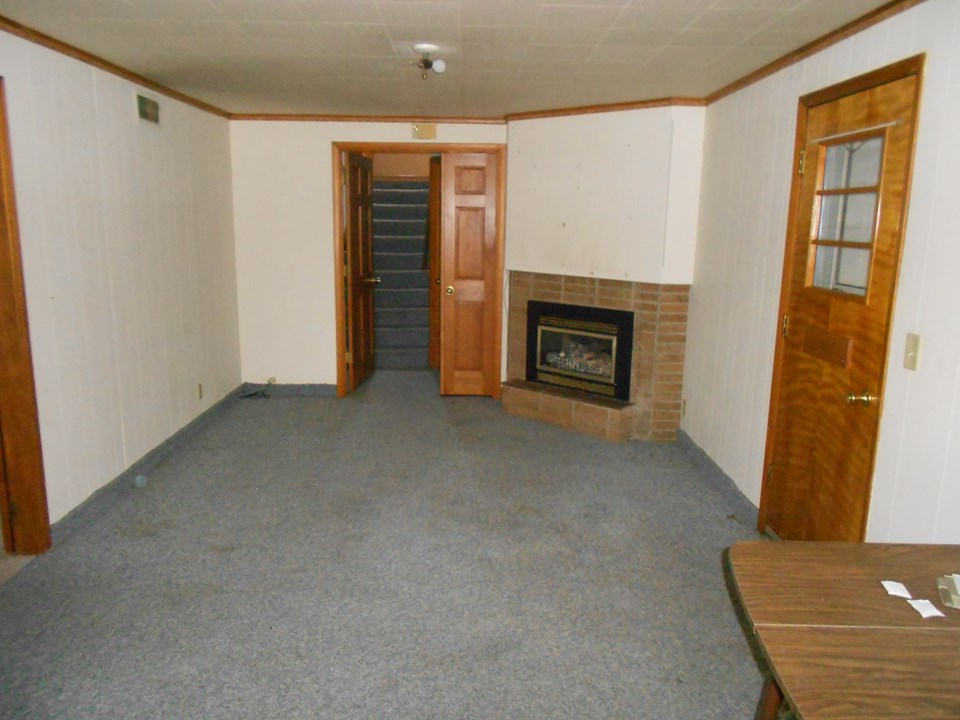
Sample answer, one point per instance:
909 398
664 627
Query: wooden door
470 276
23 497
840 276
434 225
359 269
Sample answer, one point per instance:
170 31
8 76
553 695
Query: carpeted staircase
399 246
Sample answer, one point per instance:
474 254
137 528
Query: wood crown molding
894 7
293 117
609 107
14 28
890 9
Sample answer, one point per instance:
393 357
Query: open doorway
419 275
406 197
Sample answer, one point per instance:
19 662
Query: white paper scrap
926 608
896 589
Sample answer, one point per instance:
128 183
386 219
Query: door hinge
803 160
349 358
12 512
346 271
785 326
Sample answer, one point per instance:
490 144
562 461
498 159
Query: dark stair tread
396 298
402 359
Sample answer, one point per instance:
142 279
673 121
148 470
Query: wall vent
148 109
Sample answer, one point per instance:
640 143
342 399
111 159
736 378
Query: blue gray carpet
390 555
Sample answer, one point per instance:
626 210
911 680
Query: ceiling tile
356 56
567 35
496 34
757 4
615 55
577 16
337 11
688 57
710 38
638 36
750 19
405 36
499 12
668 15
258 10
419 13
493 51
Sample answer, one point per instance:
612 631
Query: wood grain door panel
359 255
820 447
470 275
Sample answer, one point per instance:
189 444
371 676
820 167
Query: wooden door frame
372 148
23 495
896 71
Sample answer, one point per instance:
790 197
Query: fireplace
582 348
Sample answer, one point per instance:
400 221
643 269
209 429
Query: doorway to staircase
401 262
434 283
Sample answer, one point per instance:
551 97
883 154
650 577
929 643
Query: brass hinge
349 358
785 326
803 160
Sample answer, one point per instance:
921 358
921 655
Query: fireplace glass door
577 353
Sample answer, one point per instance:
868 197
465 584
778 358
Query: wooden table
838 646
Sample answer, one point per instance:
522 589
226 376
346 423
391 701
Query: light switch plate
911 352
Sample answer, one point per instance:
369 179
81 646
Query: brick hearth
656 384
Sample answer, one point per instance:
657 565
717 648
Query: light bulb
439 66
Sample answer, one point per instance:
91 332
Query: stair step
407 338
394 298
387 244
402 279
401 317
397 261
399 228
402 359
411 193
400 211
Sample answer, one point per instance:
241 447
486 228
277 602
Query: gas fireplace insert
582 348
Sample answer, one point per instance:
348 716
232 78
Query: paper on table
896 589
926 608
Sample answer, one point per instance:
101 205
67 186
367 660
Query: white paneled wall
607 195
127 237
283 204
735 295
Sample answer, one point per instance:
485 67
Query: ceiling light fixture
425 63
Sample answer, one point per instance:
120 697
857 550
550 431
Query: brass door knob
864 398
449 289
372 280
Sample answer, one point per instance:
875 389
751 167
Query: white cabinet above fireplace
610 195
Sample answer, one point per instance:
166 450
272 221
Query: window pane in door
853 164
842 269
825 267
847 217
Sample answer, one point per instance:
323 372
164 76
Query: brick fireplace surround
656 384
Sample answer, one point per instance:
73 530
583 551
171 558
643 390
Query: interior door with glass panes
839 281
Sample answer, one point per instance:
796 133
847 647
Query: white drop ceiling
355 57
